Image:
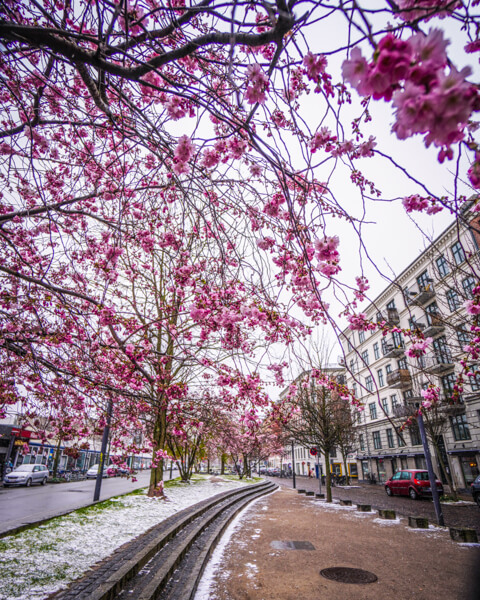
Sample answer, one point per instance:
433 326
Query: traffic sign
313 451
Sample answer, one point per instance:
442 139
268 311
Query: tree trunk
345 466
328 476
57 458
245 465
159 436
451 485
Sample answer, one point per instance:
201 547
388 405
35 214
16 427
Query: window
352 366
376 351
394 400
397 339
420 462
361 440
442 352
463 335
458 253
377 442
400 441
423 281
475 378
442 266
388 369
402 364
453 300
448 383
432 313
384 346
391 304
381 383
390 440
415 435
365 357
407 394
361 336
468 284
373 410
385 405
354 388
460 428
369 383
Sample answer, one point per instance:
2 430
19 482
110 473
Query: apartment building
428 296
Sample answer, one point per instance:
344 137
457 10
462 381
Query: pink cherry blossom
257 84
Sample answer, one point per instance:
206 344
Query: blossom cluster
420 204
430 396
419 347
430 95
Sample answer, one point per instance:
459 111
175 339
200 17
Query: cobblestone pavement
455 515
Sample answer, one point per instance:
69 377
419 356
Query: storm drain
278 545
348 575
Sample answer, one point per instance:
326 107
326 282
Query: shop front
469 465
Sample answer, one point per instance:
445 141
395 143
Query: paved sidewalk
410 564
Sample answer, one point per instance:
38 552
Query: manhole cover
280 545
348 575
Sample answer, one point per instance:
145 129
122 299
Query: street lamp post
293 466
319 471
106 432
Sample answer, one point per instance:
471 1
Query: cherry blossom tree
170 198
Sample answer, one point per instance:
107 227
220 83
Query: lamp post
293 466
106 432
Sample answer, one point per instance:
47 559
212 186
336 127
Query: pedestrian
309 473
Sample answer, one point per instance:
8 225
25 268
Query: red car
411 482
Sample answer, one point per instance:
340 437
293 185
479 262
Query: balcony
394 350
400 379
438 363
392 317
425 294
404 410
435 327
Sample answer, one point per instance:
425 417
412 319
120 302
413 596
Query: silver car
26 475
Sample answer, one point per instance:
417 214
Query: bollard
463 535
364 507
345 503
418 522
387 514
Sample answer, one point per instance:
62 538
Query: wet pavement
463 514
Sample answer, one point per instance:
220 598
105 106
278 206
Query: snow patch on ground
205 589
39 561
387 521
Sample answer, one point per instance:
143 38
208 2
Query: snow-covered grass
39 561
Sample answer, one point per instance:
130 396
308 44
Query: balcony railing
425 294
436 325
393 350
400 378
391 318
438 363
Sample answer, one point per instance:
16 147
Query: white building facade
428 296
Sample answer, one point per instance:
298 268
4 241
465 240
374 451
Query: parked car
411 482
93 471
475 487
26 475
